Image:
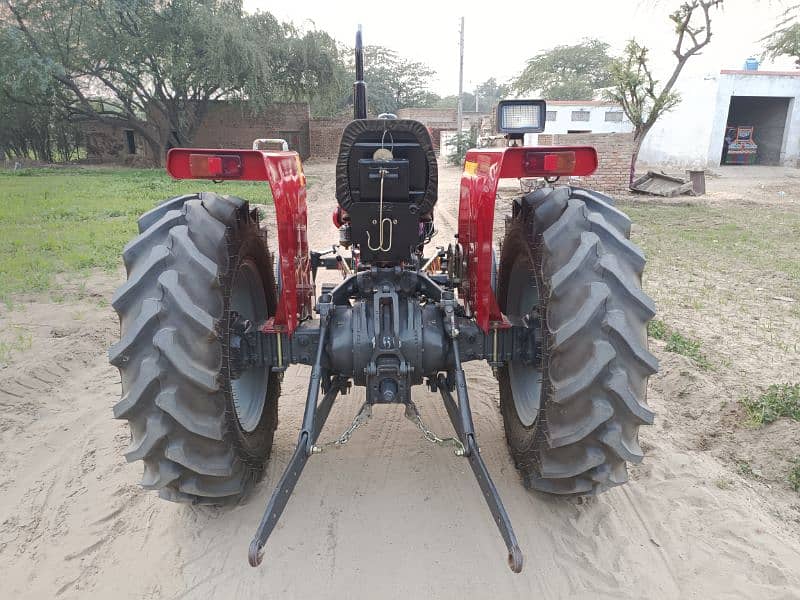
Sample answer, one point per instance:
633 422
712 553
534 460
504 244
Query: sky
499 37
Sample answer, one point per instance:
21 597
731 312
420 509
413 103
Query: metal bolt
458 452
315 449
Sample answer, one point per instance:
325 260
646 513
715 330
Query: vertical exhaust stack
359 87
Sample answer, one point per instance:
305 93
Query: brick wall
613 154
426 116
233 125
325 134
226 125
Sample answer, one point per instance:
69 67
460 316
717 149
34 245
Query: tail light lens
215 165
549 163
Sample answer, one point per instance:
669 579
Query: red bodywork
483 170
284 172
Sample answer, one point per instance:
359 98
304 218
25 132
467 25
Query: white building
692 133
582 116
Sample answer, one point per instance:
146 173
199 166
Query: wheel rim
525 376
250 387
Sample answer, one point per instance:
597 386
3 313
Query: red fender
284 172
483 169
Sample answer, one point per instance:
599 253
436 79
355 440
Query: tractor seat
410 174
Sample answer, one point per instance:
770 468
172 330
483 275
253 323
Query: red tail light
538 163
221 166
243 165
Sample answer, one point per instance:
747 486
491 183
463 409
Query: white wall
596 124
691 134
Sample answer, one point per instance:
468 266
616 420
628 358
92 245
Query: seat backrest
413 158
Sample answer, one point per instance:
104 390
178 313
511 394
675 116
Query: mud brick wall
325 134
234 125
613 153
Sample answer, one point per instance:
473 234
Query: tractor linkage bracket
313 420
459 413
461 417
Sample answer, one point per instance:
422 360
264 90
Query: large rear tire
572 414
202 430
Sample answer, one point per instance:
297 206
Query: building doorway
767 116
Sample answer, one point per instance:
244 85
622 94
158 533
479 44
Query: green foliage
631 82
745 468
489 93
677 342
680 344
73 219
784 42
567 72
634 88
459 145
656 329
19 341
780 400
794 475
394 82
158 63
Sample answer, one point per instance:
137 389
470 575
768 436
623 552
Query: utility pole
460 79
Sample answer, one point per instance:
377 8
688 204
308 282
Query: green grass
20 341
59 220
780 400
657 330
794 475
762 236
678 343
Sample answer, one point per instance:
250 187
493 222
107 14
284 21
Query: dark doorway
297 142
130 140
767 115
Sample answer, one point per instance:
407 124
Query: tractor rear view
211 317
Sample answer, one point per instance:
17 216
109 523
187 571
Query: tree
567 72
634 87
489 93
394 82
785 40
154 66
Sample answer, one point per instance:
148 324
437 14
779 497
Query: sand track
388 516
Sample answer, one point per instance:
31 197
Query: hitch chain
361 418
412 414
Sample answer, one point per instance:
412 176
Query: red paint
483 170
185 163
284 172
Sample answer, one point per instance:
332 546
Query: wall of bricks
234 125
226 125
613 153
325 134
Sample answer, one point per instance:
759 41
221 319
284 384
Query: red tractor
210 318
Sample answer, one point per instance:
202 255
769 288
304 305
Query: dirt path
388 516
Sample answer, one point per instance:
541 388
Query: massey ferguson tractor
211 318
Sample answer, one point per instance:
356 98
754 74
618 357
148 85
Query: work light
521 116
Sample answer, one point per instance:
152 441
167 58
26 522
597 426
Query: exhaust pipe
359 87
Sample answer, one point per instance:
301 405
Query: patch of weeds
780 400
745 468
723 484
679 344
21 341
794 475
656 329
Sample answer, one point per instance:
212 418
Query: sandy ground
389 515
